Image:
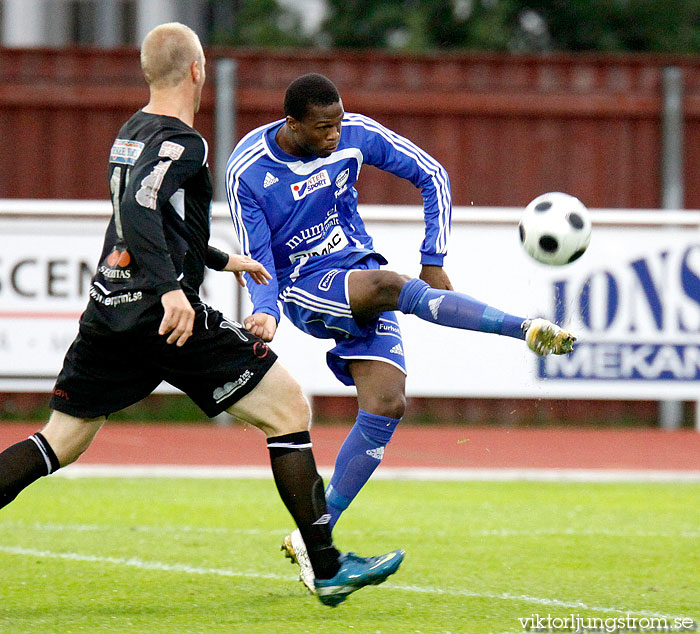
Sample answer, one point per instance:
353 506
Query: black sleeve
216 259
157 175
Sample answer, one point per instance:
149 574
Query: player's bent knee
391 406
384 402
398 407
297 418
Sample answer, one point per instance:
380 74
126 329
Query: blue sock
449 308
360 455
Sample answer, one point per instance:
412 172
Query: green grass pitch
183 556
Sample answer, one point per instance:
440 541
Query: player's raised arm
398 155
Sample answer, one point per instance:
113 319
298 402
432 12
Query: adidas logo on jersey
269 180
377 453
434 305
397 349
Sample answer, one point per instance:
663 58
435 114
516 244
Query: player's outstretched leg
61 442
457 310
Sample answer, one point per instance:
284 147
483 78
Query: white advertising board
633 300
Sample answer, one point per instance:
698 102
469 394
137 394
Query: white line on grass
387 473
135 562
142 528
223 530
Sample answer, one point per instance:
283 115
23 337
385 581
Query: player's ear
195 71
292 123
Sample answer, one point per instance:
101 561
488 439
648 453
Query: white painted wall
43 243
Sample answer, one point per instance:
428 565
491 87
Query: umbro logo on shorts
220 393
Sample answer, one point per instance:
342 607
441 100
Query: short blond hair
167 53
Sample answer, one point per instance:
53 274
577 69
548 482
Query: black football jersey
157 237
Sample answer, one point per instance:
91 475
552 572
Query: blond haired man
145 322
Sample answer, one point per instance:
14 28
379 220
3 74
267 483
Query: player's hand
238 264
436 277
261 325
178 319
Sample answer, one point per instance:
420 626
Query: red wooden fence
506 127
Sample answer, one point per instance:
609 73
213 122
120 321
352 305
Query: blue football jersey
299 215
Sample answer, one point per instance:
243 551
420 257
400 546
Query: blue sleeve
396 154
254 236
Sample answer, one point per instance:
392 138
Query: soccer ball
555 228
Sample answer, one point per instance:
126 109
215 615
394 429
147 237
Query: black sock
24 463
301 490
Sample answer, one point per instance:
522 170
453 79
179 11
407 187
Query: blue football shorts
318 304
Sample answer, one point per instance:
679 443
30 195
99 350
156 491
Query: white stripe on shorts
306 302
315 298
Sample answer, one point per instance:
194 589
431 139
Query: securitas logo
636 321
302 189
115 265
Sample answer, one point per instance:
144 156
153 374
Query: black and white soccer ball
555 228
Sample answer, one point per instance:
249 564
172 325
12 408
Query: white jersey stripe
370 124
423 160
235 165
427 165
232 183
257 130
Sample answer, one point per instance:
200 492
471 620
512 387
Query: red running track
434 446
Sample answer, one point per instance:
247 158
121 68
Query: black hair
309 90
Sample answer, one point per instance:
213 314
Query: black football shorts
105 372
